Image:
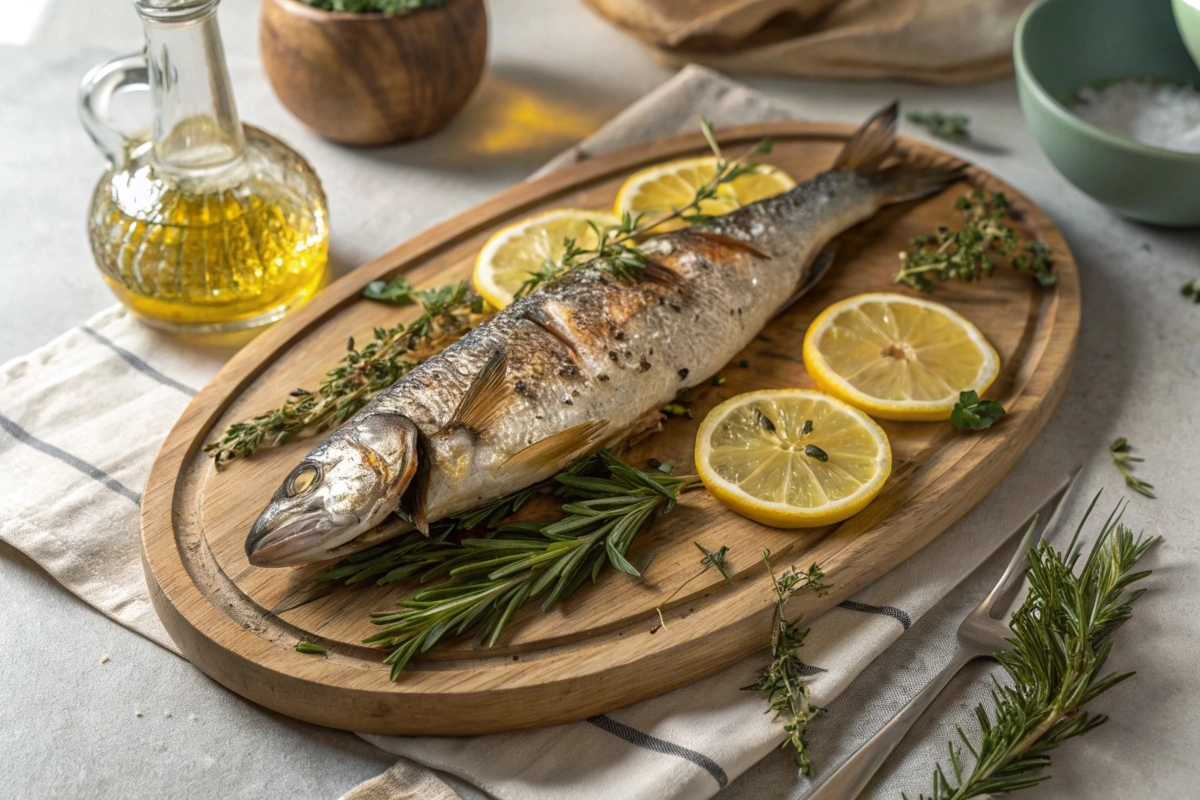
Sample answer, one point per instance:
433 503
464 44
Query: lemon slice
898 357
792 458
515 251
661 189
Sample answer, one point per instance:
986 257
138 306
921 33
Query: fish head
343 488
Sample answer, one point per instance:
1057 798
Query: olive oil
187 254
205 224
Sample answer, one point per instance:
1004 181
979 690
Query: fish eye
304 478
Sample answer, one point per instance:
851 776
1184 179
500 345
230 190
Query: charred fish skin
571 367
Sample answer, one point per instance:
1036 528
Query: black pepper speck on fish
574 366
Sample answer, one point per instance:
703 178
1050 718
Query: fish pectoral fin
558 446
820 265
482 402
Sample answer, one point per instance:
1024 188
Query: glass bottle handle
95 100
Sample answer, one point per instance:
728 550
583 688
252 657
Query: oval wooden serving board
240 624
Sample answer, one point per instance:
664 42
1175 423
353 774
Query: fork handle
851 776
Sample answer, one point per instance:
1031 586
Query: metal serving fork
981 634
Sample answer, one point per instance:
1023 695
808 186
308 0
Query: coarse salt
1159 114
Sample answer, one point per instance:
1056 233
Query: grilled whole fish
573 366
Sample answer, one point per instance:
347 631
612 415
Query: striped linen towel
83 417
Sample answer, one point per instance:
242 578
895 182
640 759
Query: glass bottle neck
196 126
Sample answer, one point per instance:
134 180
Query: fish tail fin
873 144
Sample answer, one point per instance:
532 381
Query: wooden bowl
369 79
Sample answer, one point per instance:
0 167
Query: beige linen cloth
82 418
935 41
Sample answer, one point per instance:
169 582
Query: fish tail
874 144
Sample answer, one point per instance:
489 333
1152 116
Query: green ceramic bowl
1062 46
1187 17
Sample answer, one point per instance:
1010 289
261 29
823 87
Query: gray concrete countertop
67 722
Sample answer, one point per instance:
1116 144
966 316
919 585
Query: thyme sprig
971 254
448 312
1062 637
616 245
951 127
491 579
782 681
1120 451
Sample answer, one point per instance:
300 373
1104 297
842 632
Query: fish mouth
302 540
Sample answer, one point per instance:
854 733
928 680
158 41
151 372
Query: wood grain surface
368 79
240 624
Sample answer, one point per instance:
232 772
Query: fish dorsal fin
480 405
558 446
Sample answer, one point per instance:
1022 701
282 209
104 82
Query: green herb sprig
782 681
388 7
491 579
971 254
616 249
951 127
1062 637
447 313
1120 451
413 555
972 414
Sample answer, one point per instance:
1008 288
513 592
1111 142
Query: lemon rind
782 515
911 410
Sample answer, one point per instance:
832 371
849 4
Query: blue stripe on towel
138 364
887 611
95 473
648 742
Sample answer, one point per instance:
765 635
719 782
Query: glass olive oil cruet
205 224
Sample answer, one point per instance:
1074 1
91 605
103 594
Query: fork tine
1043 520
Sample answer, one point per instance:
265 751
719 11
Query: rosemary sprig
972 414
414 555
490 579
616 246
447 313
1062 637
970 254
388 7
951 127
783 679
1120 451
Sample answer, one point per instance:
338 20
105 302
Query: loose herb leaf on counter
783 680
308 648
1062 637
1191 291
1120 450
490 579
951 127
971 254
448 312
972 414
